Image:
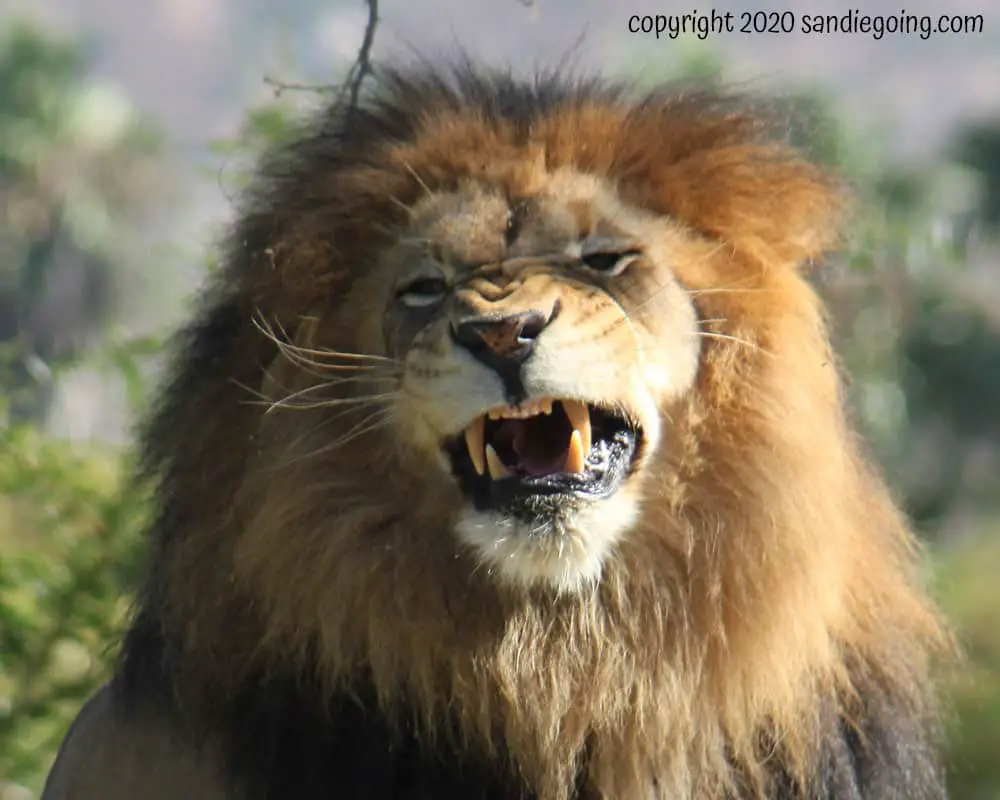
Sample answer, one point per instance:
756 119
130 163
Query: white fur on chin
565 557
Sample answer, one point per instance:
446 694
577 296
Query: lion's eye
423 292
610 262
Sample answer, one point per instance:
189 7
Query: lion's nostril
531 326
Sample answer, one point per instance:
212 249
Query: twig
359 70
282 86
362 64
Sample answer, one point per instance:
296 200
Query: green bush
970 593
69 548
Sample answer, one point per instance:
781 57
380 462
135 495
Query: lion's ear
769 204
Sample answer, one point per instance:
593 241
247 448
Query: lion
507 457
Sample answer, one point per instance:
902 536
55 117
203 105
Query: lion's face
538 339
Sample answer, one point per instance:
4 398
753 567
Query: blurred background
126 129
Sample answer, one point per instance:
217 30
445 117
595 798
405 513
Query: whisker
399 204
323 353
639 351
306 360
340 380
250 390
418 179
314 430
326 382
321 371
262 399
284 341
726 290
320 368
655 293
377 419
386 229
373 421
334 402
324 359
737 339
270 405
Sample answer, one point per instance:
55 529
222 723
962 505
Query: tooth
574 457
496 466
529 408
579 417
474 435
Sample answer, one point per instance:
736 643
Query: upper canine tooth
579 417
495 465
474 437
575 454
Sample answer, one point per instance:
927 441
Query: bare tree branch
280 87
362 64
359 70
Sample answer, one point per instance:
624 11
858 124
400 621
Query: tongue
535 461
530 455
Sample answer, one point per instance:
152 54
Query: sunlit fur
755 573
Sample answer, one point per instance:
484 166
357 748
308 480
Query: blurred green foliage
921 346
77 169
969 592
69 549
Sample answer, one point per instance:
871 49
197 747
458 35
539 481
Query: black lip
616 445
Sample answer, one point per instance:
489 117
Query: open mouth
544 447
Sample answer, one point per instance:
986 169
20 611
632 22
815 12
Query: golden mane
770 580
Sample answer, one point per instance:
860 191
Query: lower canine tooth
574 456
495 465
579 417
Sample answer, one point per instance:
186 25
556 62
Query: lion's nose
500 339
502 343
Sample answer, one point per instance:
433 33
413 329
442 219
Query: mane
769 576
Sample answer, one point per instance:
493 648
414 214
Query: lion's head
515 350
514 399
